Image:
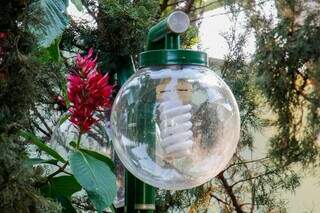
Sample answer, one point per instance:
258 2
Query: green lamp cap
172 57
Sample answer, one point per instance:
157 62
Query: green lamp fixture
175 122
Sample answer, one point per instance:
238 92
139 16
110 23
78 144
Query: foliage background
283 72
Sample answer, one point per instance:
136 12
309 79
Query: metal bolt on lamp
175 122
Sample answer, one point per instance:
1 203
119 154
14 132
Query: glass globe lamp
175 127
175 123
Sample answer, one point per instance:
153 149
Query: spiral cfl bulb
176 134
175 125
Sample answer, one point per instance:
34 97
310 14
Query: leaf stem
79 139
61 169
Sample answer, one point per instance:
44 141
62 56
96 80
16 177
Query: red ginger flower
88 91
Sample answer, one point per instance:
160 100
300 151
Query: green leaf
49 54
46 190
95 177
63 118
51 22
100 157
113 209
78 4
60 189
66 204
54 51
42 146
65 185
65 94
34 161
73 144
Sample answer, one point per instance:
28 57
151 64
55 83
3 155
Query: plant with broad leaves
88 91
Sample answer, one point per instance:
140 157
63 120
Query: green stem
49 177
79 139
61 169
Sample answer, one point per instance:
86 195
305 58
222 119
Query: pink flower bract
88 91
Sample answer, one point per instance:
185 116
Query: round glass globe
175 127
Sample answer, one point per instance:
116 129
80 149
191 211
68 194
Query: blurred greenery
282 76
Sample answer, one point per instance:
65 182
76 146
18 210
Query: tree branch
252 183
246 162
163 6
230 192
226 13
207 5
254 177
188 6
90 12
175 3
40 129
34 109
219 199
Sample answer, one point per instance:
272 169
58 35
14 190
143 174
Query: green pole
139 196
145 199
130 181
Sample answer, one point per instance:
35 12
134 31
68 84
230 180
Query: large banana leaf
50 22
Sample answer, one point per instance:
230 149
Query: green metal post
130 181
145 197
139 196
